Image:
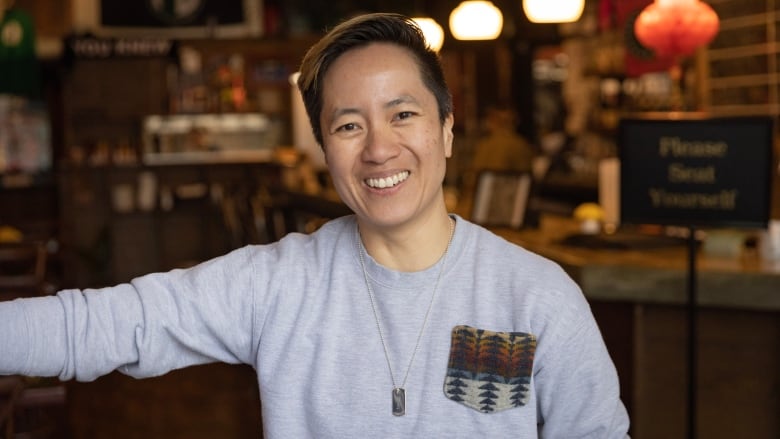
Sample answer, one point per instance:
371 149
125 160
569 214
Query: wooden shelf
742 61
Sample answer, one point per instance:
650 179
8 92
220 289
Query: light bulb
434 34
553 11
476 20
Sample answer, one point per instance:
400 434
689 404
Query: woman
398 321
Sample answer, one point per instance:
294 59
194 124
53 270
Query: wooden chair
23 269
40 409
503 198
302 212
10 390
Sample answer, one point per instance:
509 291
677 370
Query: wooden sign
696 172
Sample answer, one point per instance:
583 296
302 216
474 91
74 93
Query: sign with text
91 47
704 172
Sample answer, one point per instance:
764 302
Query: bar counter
648 273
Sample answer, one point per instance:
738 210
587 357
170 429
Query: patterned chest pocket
489 371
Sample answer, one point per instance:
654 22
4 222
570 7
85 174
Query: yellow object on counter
588 211
590 216
10 234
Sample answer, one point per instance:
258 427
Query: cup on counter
769 241
147 191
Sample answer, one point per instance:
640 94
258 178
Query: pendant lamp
476 20
676 28
673 30
553 11
434 34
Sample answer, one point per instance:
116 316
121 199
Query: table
644 274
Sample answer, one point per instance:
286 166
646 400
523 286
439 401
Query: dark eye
347 127
404 115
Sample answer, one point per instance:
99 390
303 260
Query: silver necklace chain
399 392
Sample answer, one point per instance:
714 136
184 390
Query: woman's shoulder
326 238
495 253
487 241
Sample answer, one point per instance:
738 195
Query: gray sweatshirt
510 348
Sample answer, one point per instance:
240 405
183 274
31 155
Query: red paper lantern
676 28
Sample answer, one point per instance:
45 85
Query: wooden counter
655 274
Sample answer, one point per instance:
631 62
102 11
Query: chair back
10 390
22 269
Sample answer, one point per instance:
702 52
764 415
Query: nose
381 145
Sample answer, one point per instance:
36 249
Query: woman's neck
411 248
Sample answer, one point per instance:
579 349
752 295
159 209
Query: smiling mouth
386 182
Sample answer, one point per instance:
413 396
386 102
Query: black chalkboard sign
181 19
697 172
151 14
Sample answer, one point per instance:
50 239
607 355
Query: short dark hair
360 31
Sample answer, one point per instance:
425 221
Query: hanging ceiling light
434 34
476 20
676 28
553 11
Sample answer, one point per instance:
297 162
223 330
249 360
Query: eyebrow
342 111
405 99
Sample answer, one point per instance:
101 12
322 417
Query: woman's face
384 144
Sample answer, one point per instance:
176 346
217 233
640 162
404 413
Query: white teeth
382 183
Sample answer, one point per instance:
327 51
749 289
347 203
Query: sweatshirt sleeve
154 324
577 385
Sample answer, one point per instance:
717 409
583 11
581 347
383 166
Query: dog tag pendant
399 401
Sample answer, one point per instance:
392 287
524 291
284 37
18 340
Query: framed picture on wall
181 19
501 198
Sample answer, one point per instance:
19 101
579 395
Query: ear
447 134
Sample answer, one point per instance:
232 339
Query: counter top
654 273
